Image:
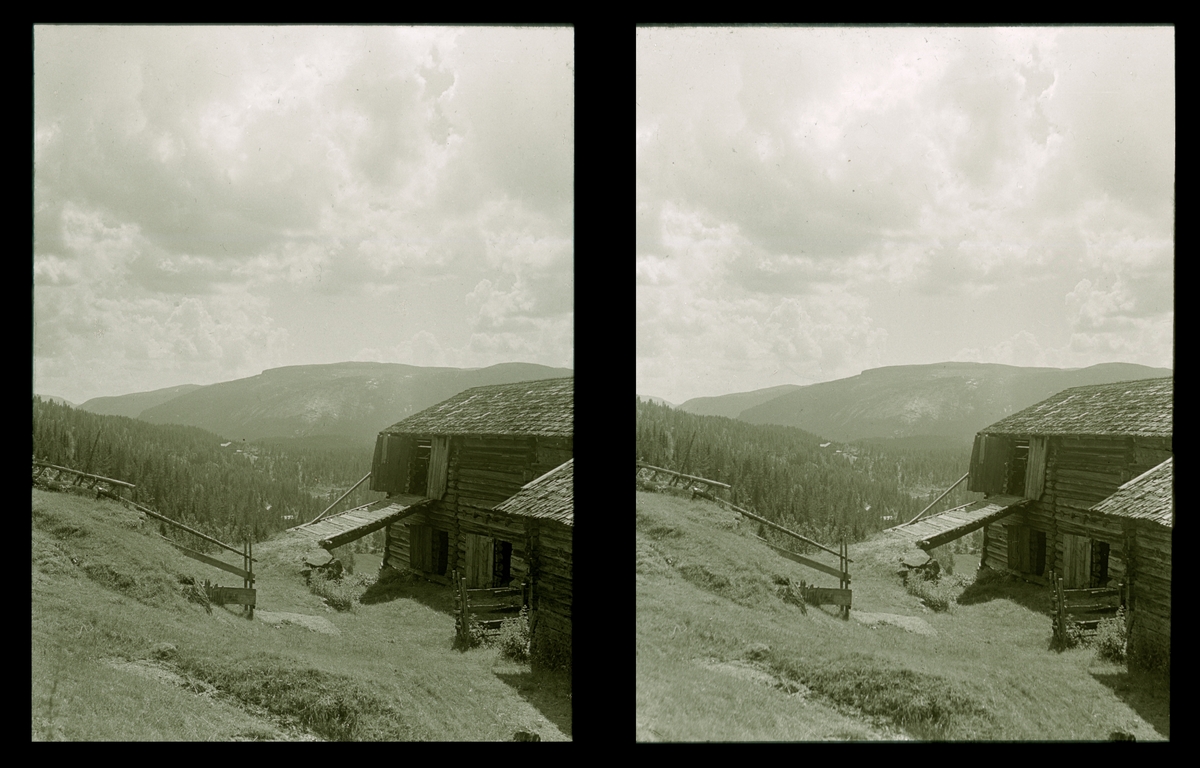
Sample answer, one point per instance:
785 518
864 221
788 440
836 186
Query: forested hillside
822 489
228 490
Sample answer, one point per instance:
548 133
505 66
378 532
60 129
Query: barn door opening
428 549
479 561
418 469
1077 561
1026 549
439 459
502 563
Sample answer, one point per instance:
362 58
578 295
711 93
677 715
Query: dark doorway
502 564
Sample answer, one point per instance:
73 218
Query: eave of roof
549 497
1149 496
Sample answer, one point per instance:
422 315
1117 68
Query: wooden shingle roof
1141 408
1145 497
550 497
545 407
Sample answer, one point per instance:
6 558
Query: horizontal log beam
47 465
643 465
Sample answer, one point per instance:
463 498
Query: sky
210 202
812 203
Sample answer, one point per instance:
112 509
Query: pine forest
231 491
821 489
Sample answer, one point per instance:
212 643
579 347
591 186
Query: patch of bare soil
315 623
908 623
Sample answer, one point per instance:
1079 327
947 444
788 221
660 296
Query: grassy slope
706 595
106 594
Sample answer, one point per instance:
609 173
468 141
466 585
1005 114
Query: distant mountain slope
133 404
945 399
356 400
659 400
733 405
59 400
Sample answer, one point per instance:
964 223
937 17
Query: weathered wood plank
827 596
803 560
231 595
215 563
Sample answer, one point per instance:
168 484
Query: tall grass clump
926 705
937 594
334 706
340 593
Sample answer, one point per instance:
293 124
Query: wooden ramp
936 530
336 530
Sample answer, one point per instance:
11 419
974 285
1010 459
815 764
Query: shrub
1110 638
472 637
513 639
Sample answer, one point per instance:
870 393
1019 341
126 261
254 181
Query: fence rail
1082 609
244 596
498 602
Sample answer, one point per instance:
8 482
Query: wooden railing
497 603
84 479
653 472
1083 609
220 595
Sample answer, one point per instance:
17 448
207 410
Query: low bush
513 640
1110 638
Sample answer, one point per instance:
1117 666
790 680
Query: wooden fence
82 479
812 595
221 595
1083 609
497 603
648 472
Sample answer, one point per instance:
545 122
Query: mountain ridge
348 399
948 399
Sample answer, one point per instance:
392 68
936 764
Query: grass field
720 656
118 653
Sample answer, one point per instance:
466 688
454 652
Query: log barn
1145 509
467 454
1054 462
547 507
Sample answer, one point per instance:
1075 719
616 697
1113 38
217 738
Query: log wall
1080 472
1150 593
551 545
482 472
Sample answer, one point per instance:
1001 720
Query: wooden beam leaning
215 563
339 501
806 562
939 498
193 531
781 529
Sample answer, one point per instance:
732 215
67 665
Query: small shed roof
545 407
550 496
1146 497
1141 408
